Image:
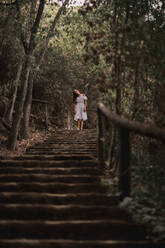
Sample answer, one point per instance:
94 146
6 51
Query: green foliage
112 51
146 203
125 48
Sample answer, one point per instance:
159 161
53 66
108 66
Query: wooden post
100 148
124 170
69 120
46 115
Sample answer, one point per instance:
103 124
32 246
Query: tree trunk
69 120
12 141
4 31
136 92
27 108
50 33
112 148
9 114
29 46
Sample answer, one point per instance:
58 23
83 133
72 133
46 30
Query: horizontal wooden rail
46 109
134 126
125 126
40 101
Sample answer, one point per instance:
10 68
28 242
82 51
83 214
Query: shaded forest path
52 197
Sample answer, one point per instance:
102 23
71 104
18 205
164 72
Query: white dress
80 114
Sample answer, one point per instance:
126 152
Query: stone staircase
51 197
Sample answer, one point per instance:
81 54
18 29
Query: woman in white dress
80 108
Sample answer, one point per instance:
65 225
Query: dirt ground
34 138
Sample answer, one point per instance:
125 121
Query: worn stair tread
52 197
69 143
57 157
61 147
73 229
58 151
62 212
44 163
86 198
63 243
41 177
52 187
53 184
113 223
51 170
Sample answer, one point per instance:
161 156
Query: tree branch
36 25
50 33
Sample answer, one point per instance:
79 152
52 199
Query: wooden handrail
40 101
134 126
125 126
46 109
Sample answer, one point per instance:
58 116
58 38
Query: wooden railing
46 109
125 127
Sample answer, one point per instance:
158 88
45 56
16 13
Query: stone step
49 170
57 157
62 148
51 243
62 142
56 154
52 187
78 230
58 199
65 146
61 152
60 212
52 197
48 178
68 142
33 163
79 138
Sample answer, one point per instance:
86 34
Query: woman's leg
82 123
78 124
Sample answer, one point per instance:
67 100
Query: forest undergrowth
36 137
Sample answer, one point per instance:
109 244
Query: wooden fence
125 127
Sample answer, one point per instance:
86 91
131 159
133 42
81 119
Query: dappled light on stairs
52 197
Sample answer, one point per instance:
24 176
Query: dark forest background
111 50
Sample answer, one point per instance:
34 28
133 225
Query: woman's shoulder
84 96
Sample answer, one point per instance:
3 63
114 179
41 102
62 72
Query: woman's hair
75 95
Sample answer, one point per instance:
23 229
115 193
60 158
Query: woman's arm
85 105
74 108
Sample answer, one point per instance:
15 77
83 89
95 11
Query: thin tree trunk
29 47
12 141
69 120
4 31
136 92
9 114
27 107
50 33
112 148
